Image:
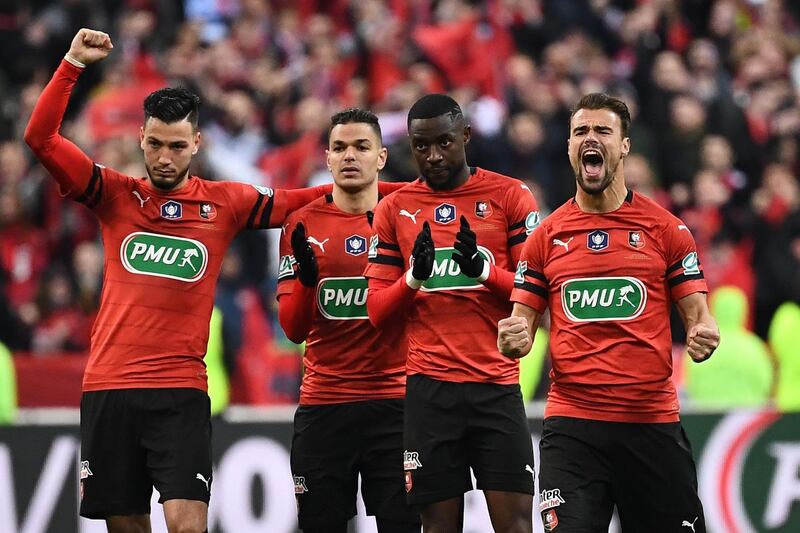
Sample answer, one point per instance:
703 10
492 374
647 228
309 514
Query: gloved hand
467 256
423 254
307 269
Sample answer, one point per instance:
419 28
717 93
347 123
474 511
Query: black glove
467 257
423 253
307 269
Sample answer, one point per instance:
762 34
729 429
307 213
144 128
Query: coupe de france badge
171 210
444 214
597 240
355 245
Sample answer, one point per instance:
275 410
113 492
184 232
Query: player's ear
626 146
383 155
328 159
141 137
467 133
197 139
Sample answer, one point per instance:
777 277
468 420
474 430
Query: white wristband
73 61
413 282
487 268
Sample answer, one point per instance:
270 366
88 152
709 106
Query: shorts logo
444 214
373 247
597 240
355 245
483 209
85 470
300 485
171 210
202 478
409 481
550 520
208 211
635 239
411 460
690 264
549 499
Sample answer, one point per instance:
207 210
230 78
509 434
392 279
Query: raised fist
89 46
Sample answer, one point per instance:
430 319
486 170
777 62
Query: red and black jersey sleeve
259 207
384 258
286 266
66 162
684 273
530 284
523 217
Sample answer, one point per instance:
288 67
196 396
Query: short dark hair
355 115
604 101
172 104
434 105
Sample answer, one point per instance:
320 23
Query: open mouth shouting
592 161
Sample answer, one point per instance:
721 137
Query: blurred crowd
713 86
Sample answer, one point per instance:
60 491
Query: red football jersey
452 323
162 258
162 253
609 280
346 359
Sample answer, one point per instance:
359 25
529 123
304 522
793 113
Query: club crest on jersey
532 222
355 245
264 191
208 211
549 519
483 209
300 486
597 240
444 214
171 210
409 481
635 239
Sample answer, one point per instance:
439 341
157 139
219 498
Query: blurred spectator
62 325
713 89
740 374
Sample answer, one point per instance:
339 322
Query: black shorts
135 439
332 445
646 470
451 427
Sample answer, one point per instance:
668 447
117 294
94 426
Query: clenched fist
513 338
701 341
89 46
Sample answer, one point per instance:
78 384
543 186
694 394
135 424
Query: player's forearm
385 299
296 312
65 161
499 281
294 200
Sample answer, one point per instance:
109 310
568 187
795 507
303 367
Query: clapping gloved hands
466 255
307 269
422 254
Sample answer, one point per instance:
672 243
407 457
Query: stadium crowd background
714 88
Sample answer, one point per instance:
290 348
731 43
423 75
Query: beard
163 184
595 188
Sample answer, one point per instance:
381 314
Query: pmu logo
749 473
164 256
